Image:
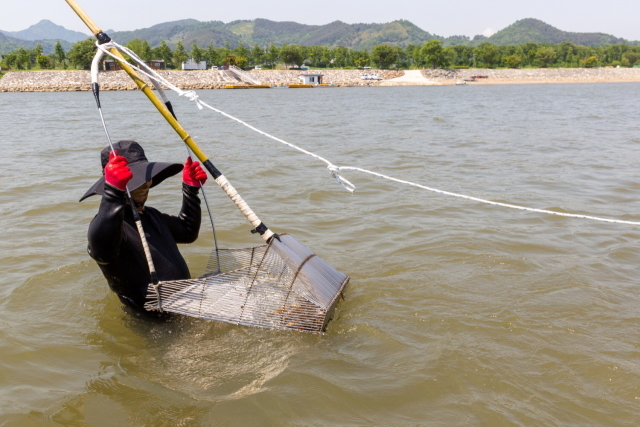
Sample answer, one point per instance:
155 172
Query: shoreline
535 75
542 82
72 81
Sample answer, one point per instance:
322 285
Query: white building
190 64
311 79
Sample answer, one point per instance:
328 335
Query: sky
444 18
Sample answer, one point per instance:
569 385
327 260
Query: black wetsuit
114 242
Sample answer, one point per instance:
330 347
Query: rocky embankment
537 75
66 81
60 81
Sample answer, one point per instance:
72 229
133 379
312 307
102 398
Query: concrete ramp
242 75
410 78
228 77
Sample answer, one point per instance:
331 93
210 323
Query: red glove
192 174
116 172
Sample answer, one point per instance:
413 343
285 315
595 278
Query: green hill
355 36
265 32
7 44
47 30
534 30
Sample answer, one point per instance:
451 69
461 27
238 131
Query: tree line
24 59
430 55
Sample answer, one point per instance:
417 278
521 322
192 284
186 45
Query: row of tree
24 59
432 54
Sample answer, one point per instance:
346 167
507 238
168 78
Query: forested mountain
265 32
356 36
8 44
534 30
47 30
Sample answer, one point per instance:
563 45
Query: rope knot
335 172
191 95
106 46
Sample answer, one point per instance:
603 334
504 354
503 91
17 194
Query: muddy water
457 313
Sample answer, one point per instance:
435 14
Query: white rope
489 202
146 70
333 169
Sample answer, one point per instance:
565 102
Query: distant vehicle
190 64
257 67
366 68
304 67
214 67
370 76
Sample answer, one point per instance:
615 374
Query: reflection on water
456 314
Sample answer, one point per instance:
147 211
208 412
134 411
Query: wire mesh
282 285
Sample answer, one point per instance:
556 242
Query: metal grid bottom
282 285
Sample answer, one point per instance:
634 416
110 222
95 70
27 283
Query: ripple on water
457 313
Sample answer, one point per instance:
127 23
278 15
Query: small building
190 64
156 64
311 79
111 65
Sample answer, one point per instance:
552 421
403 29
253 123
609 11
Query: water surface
457 313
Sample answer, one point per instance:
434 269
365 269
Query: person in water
114 240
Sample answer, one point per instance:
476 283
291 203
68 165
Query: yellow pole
220 179
85 18
143 86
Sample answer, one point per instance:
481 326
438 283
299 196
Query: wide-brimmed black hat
142 169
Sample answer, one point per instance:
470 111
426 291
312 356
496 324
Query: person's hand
192 174
116 172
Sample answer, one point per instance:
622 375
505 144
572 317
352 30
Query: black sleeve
106 229
186 226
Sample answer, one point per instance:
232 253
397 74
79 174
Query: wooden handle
85 18
242 205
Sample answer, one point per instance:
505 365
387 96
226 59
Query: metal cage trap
280 285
